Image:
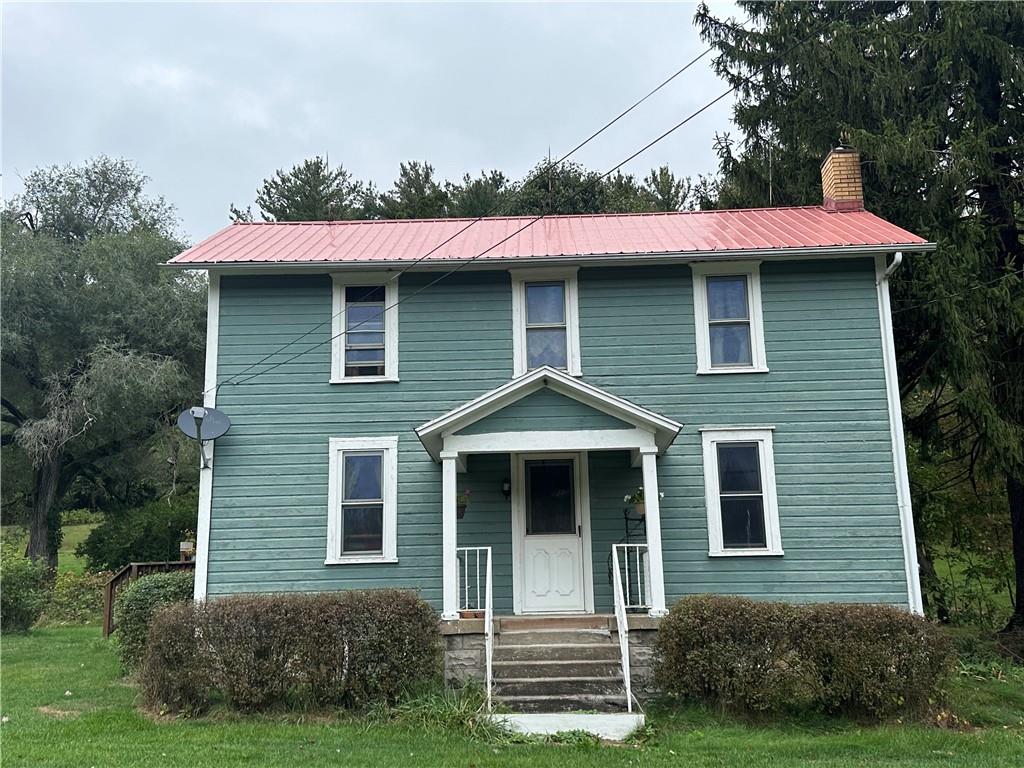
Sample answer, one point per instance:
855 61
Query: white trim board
339 282
434 433
899 449
565 275
389 480
206 473
710 438
755 317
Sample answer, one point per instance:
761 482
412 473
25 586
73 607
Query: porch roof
643 428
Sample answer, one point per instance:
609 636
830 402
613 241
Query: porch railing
474 564
629 586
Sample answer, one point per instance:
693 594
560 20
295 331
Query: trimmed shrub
873 659
350 649
763 656
175 673
77 598
24 590
134 607
143 534
735 653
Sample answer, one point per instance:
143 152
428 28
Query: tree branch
13 415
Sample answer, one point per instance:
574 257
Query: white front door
552 528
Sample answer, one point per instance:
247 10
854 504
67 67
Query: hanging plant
461 502
636 498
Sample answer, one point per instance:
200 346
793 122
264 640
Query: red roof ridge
641 214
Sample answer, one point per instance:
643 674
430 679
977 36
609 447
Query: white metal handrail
472 600
622 624
634 572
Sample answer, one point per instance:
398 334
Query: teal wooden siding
825 395
544 410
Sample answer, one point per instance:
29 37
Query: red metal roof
402 240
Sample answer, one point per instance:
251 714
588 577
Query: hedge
24 589
135 605
256 653
143 534
77 598
742 654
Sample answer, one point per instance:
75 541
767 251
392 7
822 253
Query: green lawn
65 704
67 560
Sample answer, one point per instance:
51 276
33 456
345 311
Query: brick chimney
840 180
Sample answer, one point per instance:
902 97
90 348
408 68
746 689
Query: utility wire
534 219
492 210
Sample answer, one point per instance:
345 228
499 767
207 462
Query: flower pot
473 614
640 508
460 511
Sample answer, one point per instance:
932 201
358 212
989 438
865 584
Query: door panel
553 566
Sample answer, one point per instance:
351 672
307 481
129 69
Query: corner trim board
899 448
206 474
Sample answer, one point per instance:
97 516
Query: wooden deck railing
127 575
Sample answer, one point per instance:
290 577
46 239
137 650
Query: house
465 409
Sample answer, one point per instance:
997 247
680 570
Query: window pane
550 507
743 522
546 347
545 303
362 476
368 356
738 468
727 297
362 293
363 529
364 338
364 317
364 370
730 344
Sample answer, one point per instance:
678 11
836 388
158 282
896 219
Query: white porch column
653 509
449 541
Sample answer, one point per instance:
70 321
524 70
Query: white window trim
701 272
340 283
389 476
520 277
710 437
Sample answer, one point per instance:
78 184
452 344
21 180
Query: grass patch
67 560
65 704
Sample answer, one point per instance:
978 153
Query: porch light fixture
506 488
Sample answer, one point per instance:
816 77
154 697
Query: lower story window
362 500
739 485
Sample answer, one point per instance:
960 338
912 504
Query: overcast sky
209 99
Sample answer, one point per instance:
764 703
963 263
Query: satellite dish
203 423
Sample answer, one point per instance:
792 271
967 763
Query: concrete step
561 652
557 686
574 703
555 637
562 623
556 669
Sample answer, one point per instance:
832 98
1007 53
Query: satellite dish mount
204 425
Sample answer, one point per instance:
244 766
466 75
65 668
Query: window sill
366 380
747 369
359 560
747 553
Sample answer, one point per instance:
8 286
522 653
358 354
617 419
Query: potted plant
636 498
461 502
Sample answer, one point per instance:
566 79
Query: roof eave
625 259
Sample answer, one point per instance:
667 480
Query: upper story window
730 329
545 320
364 329
739 488
362 500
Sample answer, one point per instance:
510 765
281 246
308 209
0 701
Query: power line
533 220
493 209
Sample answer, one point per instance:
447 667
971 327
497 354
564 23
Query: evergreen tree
932 96
416 194
486 195
310 191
